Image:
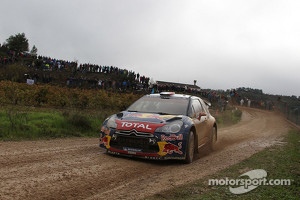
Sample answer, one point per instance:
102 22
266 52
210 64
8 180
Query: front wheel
190 150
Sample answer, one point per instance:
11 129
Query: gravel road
79 169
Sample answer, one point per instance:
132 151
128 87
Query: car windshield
172 106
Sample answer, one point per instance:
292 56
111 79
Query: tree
18 42
34 50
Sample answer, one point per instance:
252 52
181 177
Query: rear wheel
190 150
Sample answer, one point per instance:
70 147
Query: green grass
29 123
280 162
228 117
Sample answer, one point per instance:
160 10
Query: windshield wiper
132 111
160 113
163 113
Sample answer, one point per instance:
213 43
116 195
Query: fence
290 111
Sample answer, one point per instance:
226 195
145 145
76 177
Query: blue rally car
161 126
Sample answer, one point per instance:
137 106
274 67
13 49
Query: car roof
169 95
172 95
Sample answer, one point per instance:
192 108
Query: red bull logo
169 148
105 141
172 137
172 148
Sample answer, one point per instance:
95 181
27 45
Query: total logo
135 125
138 126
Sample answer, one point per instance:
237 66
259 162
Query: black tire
190 149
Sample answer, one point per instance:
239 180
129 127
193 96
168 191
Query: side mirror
207 103
201 114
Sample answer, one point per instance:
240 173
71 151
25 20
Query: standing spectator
242 102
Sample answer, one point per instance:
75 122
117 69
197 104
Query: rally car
161 126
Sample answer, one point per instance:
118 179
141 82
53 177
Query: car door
199 117
208 122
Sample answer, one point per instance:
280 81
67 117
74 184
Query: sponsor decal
172 137
135 125
172 148
131 149
150 115
152 141
169 148
138 126
113 152
152 158
105 141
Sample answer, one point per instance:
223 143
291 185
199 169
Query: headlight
173 127
105 130
111 123
107 125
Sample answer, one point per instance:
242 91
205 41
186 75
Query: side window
196 108
204 106
192 112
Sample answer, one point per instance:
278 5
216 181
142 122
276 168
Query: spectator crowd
79 75
118 79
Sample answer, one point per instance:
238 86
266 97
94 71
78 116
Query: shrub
60 97
80 121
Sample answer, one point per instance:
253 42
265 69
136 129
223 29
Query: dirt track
78 169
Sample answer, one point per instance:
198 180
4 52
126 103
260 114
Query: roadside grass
228 117
19 123
281 161
31 123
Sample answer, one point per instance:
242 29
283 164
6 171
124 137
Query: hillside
43 70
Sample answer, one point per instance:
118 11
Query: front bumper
157 146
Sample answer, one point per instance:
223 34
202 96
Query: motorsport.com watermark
256 178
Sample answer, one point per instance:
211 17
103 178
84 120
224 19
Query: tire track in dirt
78 169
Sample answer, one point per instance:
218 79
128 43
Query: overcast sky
222 44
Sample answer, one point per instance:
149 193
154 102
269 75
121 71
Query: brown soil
79 169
